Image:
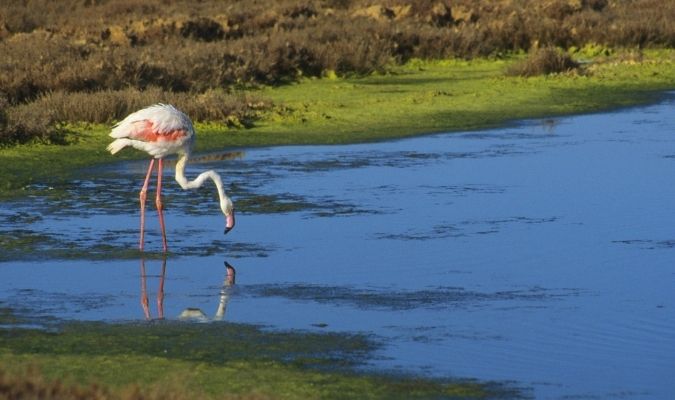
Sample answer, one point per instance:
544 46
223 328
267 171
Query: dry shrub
110 105
21 126
202 28
41 119
54 64
4 105
24 126
544 61
157 43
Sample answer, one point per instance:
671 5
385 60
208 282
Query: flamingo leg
144 292
158 203
143 196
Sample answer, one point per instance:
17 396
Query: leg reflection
144 292
145 304
160 291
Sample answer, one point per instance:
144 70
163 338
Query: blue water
541 254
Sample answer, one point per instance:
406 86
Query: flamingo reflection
193 314
196 314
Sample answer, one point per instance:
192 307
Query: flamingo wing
160 122
150 131
159 130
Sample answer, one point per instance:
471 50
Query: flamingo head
228 210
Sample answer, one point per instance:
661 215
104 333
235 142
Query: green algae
30 245
220 359
417 98
7 316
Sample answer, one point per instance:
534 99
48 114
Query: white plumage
159 130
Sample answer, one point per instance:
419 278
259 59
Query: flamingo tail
118 145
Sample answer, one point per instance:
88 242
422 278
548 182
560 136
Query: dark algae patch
216 343
464 228
391 299
7 316
213 360
29 245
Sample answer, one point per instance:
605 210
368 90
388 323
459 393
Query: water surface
541 253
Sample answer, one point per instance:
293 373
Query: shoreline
419 98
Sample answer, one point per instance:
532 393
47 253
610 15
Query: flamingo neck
222 304
225 202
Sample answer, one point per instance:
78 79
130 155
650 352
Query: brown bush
156 43
19 126
40 120
544 61
202 28
110 105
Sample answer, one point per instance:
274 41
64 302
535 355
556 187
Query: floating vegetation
24 244
277 203
464 228
648 244
38 306
389 299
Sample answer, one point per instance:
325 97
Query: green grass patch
215 361
417 98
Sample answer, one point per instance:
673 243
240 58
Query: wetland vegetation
417 97
255 73
330 71
64 65
185 360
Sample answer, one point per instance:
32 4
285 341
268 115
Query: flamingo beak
229 222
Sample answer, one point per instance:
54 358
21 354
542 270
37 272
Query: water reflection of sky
540 253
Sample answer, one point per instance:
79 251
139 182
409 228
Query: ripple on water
40 305
463 228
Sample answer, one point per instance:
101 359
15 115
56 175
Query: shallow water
540 254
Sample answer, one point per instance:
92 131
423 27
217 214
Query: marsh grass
179 361
416 98
111 48
29 382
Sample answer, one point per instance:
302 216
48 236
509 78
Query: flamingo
161 130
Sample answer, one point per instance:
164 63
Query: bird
162 130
